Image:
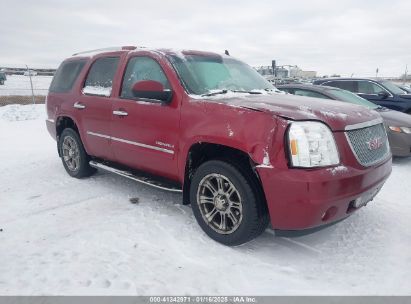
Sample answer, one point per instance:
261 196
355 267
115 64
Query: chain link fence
17 89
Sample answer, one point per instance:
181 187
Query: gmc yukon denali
209 126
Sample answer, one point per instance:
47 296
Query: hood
336 114
395 118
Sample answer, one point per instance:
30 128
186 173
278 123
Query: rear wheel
74 157
226 203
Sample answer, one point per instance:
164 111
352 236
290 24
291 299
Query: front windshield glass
392 87
352 98
204 74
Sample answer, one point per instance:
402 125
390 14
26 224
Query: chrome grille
369 144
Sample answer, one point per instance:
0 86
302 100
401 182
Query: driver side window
139 69
366 87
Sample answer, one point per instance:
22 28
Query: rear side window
66 76
343 84
309 94
99 80
142 68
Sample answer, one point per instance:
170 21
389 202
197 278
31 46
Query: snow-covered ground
60 235
20 85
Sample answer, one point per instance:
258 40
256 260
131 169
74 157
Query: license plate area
363 200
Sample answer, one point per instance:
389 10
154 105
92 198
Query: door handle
120 113
79 106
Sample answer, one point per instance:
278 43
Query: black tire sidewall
244 232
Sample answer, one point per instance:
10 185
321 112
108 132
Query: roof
345 79
163 51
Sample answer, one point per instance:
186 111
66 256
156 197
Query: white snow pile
97 90
17 112
65 236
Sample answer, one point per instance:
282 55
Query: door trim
131 142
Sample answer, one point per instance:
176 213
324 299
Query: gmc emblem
375 143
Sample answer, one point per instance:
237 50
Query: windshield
204 74
392 87
352 98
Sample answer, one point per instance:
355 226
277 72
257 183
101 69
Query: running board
138 176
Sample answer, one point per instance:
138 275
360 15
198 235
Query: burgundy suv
211 127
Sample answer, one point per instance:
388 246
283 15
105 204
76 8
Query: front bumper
400 143
301 199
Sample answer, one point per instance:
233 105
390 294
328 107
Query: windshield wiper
381 108
216 93
249 92
226 91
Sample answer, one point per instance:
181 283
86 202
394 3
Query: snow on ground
20 85
65 236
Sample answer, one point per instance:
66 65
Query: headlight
312 144
400 129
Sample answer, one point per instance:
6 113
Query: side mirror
383 95
152 91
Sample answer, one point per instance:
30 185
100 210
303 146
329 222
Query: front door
373 92
144 132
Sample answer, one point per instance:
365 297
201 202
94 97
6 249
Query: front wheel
226 203
74 157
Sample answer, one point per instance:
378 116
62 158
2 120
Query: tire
74 157
234 196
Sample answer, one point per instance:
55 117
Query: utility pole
376 73
405 74
31 84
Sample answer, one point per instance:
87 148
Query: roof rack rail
108 49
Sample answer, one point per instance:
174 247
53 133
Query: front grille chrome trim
364 157
364 124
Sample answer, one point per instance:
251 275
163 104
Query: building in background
279 73
23 71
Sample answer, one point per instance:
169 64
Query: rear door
145 133
94 106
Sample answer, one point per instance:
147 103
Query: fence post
31 84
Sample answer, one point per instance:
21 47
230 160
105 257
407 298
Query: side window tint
66 75
142 68
309 94
100 77
343 84
367 87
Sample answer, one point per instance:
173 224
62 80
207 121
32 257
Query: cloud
328 36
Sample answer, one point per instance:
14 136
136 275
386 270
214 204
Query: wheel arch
63 122
201 152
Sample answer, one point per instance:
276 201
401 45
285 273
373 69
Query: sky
332 37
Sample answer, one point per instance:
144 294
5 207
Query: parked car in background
209 126
30 73
381 92
398 124
3 78
405 88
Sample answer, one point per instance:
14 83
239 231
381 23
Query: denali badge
375 143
